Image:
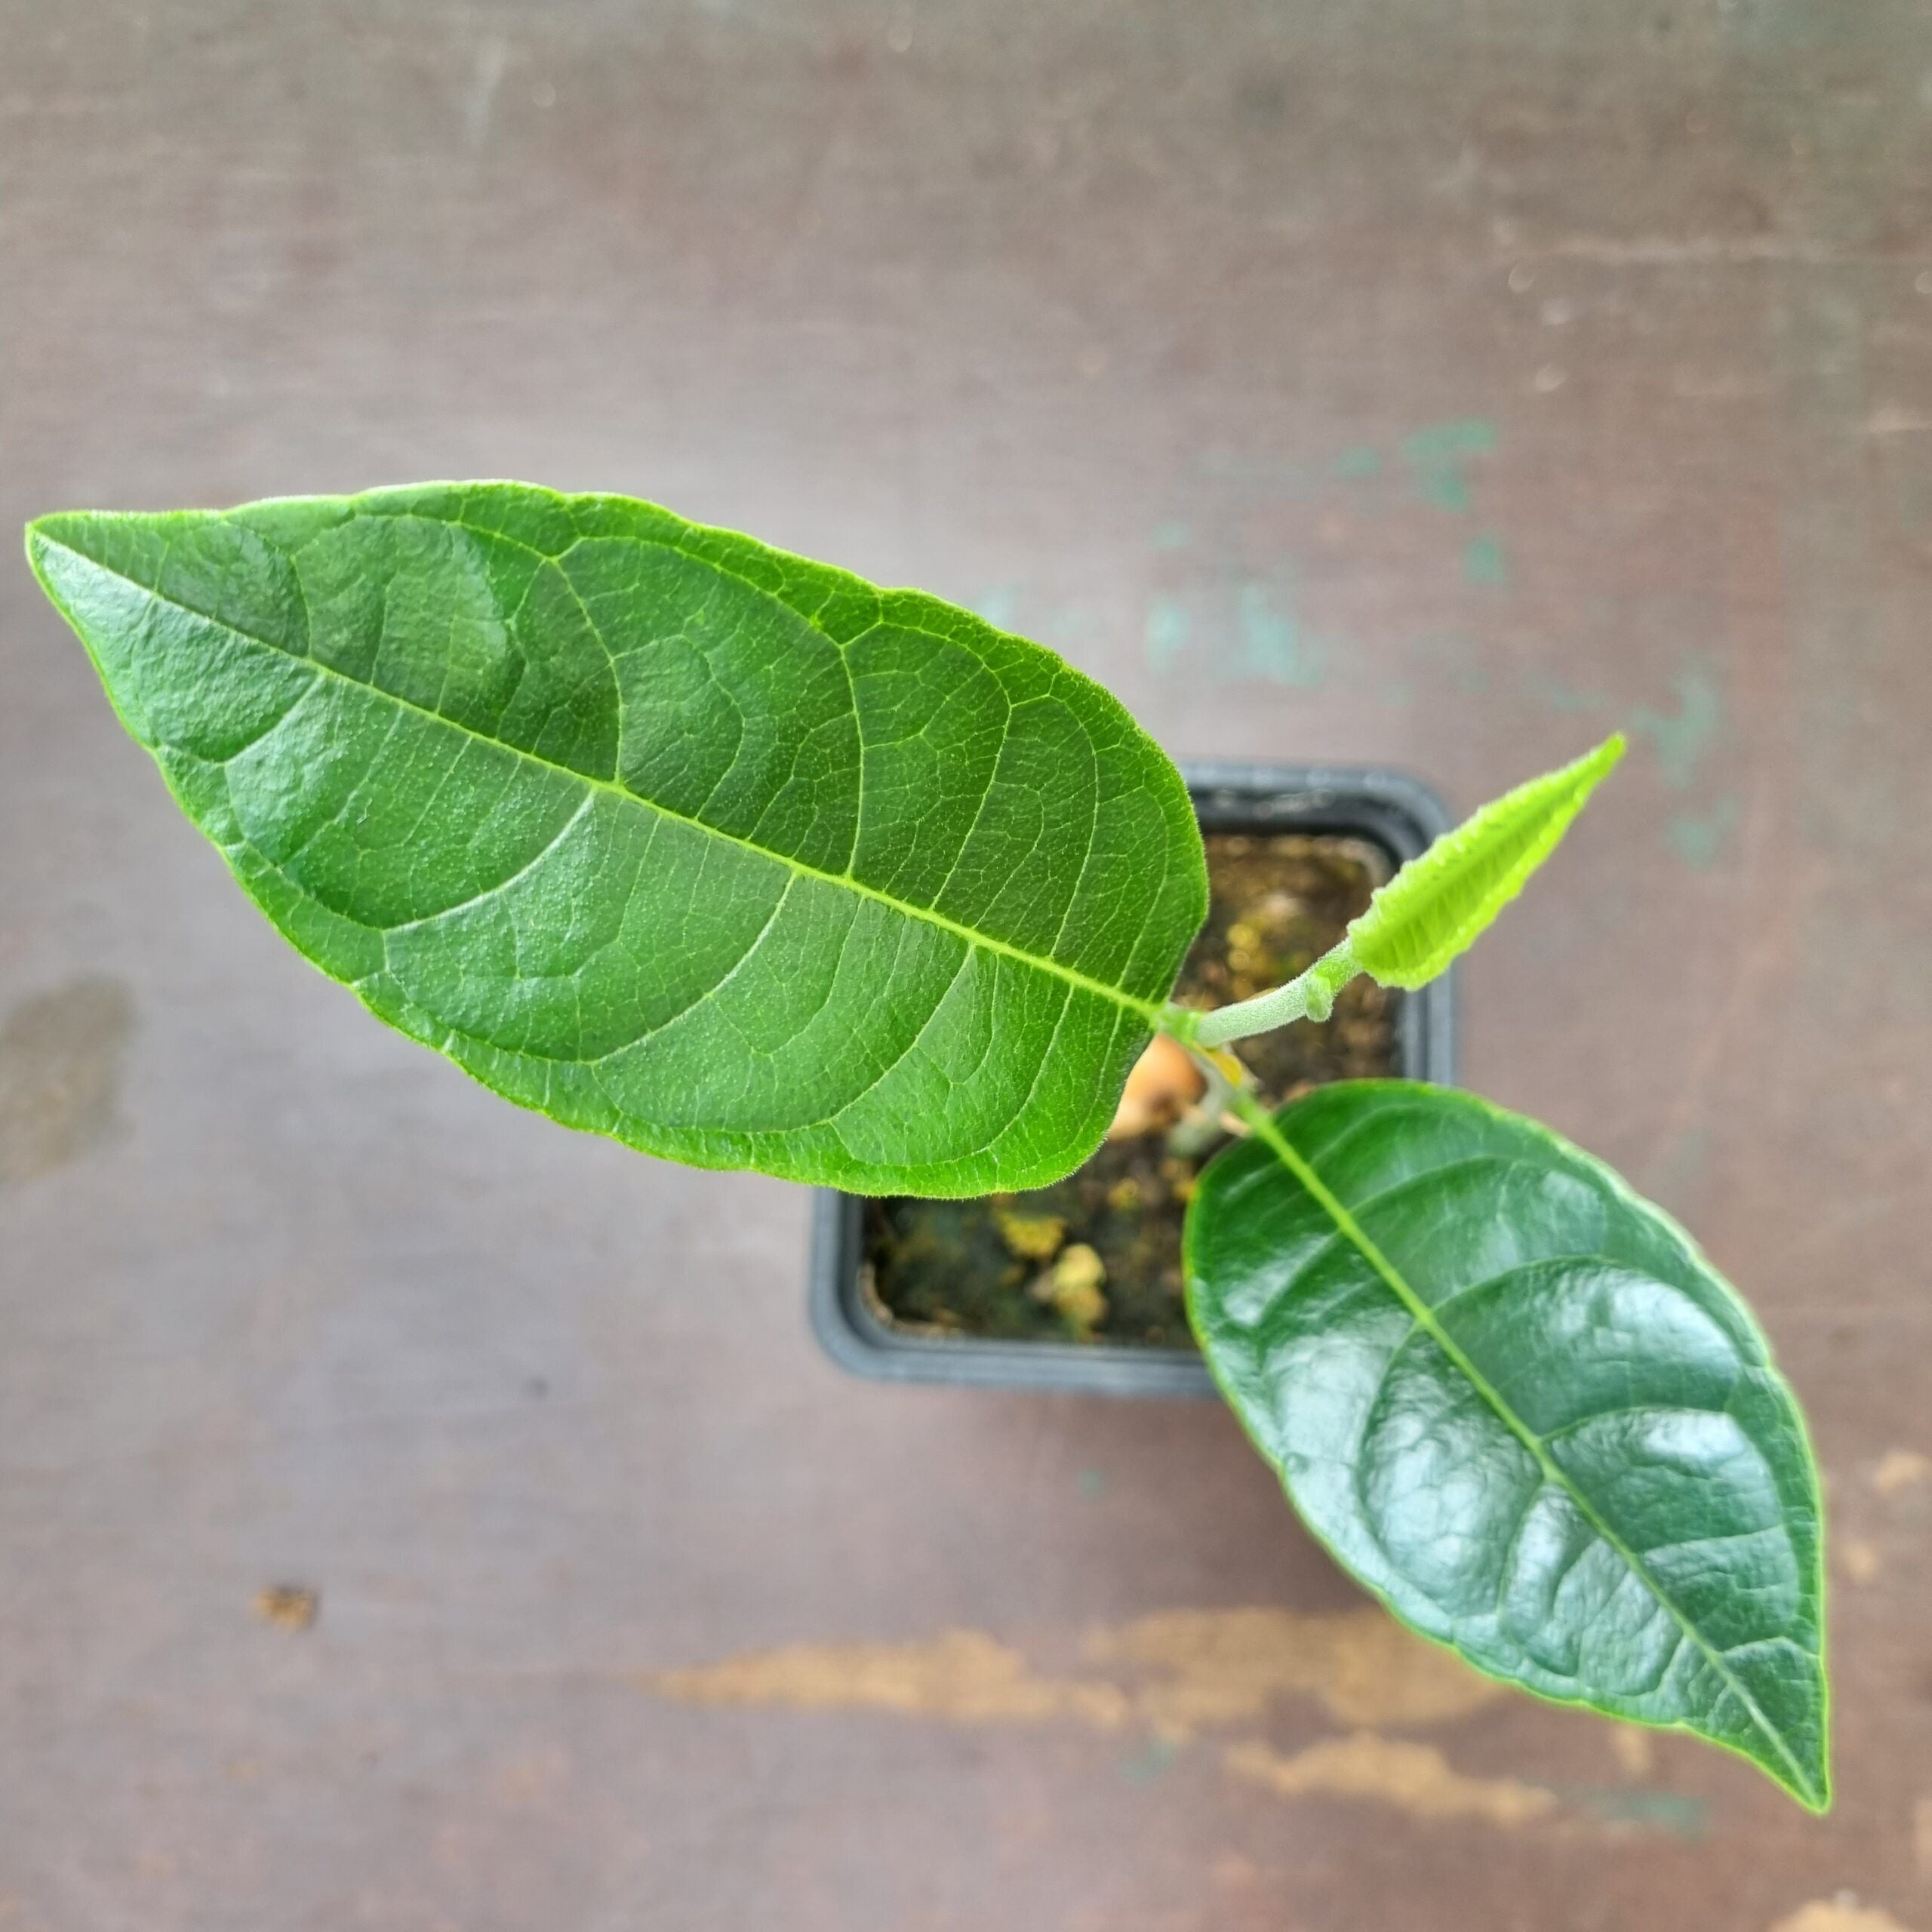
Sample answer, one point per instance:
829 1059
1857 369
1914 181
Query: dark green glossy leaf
1517 1403
667 834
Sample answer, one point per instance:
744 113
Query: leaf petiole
1309 996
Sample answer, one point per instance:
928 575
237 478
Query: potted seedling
749 864
1079 1284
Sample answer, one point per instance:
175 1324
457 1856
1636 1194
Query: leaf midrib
1147 1010
1263 1122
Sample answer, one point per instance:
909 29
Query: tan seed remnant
1164 1083
1032 1237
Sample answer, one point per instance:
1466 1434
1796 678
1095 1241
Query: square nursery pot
1392 813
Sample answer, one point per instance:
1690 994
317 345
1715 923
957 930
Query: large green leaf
1518 1404
667 834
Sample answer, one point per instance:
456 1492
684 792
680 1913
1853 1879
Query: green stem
1311 995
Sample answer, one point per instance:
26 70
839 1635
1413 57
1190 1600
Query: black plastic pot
1385 808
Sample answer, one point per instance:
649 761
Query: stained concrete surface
1439 385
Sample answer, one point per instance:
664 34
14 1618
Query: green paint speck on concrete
1455 654
1655 1810
999 608
1143 1767
1172 536
1681 740
1484 562
1093 1483
1561 697
1680 1171
1359 464
1698 838
1066 626
1273 644
1166 631
1437 452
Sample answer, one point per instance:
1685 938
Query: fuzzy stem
1309 996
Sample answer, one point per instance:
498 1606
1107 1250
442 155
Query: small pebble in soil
1032 1237
1073 1286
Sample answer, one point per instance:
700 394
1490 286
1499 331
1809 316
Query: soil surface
1097 1257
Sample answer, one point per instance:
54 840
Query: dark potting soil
1097 1257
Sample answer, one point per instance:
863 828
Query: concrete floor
1436 384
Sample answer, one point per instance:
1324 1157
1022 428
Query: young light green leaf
1438 905
664 833
1435 908
1517 1403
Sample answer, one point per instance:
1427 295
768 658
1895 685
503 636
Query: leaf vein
1147 1010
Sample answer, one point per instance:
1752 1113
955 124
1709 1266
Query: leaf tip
1798 1761
39 539
1813 1790
1596 764
50 532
